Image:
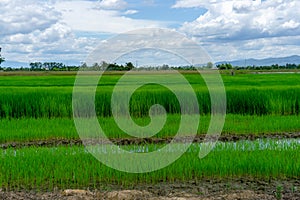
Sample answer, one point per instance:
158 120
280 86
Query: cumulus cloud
243 25
87 16
47 30
208 3
112 4
130 12
188 4
34 31
236 20
22 17
150 46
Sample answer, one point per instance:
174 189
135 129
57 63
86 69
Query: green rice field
38 107
74 167
51 96
29 129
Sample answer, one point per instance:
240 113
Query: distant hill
264 62
14 64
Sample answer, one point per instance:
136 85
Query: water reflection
245 145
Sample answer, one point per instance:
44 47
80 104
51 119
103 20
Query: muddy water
243 145
142 141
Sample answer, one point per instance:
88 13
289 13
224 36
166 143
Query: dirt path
140 141
205 189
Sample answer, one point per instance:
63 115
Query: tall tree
1 58
129 66
210 65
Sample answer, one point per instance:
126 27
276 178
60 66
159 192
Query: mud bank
140 141
244 189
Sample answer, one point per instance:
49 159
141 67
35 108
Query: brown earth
140 141
205 189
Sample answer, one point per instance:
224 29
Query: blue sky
69 30
162 11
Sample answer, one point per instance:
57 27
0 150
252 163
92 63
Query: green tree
129 66
165 67
224 66
103 66
36 66
96 67
210 65
2 60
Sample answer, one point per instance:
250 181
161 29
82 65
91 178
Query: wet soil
140 141
205 189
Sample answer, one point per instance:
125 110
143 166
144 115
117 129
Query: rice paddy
30 129
66 167
39 108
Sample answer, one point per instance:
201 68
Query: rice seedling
54 101
74 167
40 108
30 129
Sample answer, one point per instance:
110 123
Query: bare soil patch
140 141
243 189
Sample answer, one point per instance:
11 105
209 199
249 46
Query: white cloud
188 4
112 4
256 48
34 31
46 30
86 16
236 20
148 46
68 29
130 12
240 25
291 24
208 3
22 17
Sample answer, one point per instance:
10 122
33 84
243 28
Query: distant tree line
107 67
276 66
47 66
225 66
56 66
